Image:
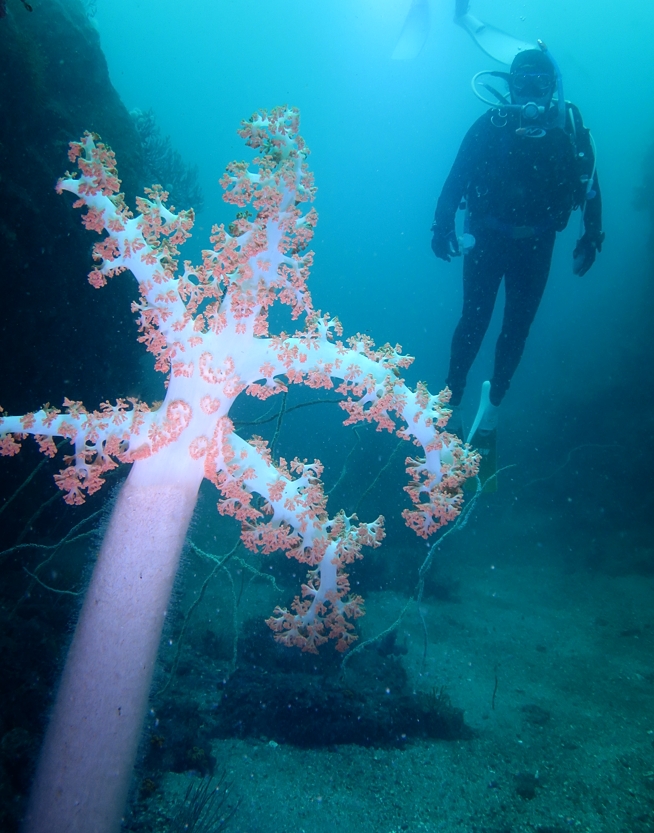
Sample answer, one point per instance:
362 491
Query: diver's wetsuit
519 191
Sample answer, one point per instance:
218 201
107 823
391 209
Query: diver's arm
456 184
444 242
450 197
589 196
593 210
591 241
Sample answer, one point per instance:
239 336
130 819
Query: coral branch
207 326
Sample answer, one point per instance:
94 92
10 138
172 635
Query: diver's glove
586 251
444 243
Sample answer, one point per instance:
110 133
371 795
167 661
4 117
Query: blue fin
484 402
492 41
414 32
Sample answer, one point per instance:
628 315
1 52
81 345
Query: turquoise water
383 135
515 690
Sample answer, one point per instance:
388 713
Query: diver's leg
525 280
483 268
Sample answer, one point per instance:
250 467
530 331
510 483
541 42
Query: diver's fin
484 404
414 32
485 442
499 45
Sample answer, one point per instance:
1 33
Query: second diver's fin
414 32
485 442
494 42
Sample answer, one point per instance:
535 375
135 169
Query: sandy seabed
548 648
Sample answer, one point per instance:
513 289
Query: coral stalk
86 764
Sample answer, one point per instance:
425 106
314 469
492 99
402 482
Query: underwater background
518 695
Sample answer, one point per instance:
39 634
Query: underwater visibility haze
412 634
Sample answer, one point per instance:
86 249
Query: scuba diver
521 170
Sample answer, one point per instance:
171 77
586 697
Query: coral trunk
85 769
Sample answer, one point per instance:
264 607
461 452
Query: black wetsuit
519 191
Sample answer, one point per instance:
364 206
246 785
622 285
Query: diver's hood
529 88
532 78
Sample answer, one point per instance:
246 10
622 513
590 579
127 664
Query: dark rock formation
58 336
